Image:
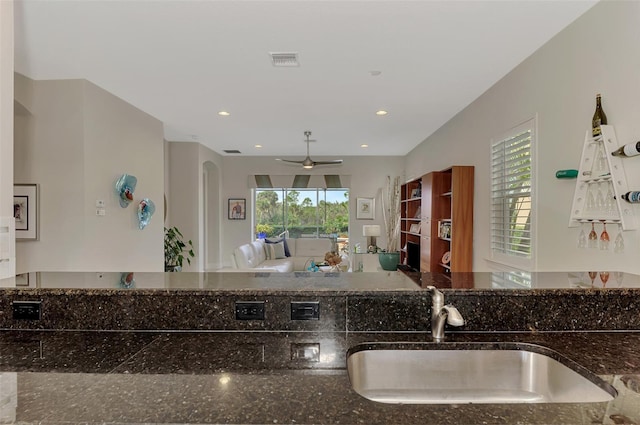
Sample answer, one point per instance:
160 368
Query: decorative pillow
270 251
284 242
278 249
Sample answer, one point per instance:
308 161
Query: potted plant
390 258
176 250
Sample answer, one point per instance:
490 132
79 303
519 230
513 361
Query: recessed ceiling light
364 145
381 112
224 113
257 146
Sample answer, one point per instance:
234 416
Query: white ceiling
182 61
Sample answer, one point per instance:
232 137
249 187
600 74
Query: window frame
284 191
504 258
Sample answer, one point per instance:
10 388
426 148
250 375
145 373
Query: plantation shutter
511 195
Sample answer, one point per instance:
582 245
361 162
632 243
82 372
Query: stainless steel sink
455 373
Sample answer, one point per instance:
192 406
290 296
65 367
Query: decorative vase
389 260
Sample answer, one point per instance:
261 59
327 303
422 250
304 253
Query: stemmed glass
604 277
592 276
601 204
601 161
591 201
582 238
619 277
593 237
610 202
604 238
618 243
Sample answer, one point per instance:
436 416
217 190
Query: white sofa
253 256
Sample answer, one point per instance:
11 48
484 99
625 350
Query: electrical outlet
305 310
249 310
27 310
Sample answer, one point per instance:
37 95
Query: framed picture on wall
365 208
237 208
25 211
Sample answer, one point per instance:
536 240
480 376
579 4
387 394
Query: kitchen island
113 354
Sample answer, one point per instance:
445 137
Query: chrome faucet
441 314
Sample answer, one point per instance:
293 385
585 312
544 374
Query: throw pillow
278 249
270 252
287 253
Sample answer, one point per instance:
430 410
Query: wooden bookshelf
444 212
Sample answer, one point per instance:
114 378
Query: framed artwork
414 228
444 229
237 209
25 211
365 208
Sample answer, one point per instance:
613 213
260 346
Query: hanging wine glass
604 237
601 161
600 202
593 238
610 201
582 238
592 276
604 277
591 200
618 243
619 276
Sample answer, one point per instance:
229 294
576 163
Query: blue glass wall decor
146 208
125 186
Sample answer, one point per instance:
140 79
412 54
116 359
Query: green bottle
599 118
566 174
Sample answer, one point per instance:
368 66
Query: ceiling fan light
308 166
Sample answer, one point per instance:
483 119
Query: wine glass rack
601 184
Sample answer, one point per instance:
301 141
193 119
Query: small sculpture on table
333 258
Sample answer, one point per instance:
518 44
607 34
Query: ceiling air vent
284 59
231 151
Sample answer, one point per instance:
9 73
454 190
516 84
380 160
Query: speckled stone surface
250 378
387 301
216 369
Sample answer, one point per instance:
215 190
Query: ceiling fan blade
288 160
337 161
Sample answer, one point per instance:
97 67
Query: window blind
511 208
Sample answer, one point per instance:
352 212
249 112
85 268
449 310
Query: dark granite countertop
168 347
251 378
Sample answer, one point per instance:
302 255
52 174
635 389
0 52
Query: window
303 212
511 197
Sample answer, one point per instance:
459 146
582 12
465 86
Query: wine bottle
630 149
632 197
599 118
566 174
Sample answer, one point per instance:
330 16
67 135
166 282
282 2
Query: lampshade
371 230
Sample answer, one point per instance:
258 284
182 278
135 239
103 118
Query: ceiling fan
308 162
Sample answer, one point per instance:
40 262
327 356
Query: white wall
186 200
368 175
7 223
598 53
74 140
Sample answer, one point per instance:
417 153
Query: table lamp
371 231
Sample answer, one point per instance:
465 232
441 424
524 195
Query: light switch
100 211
